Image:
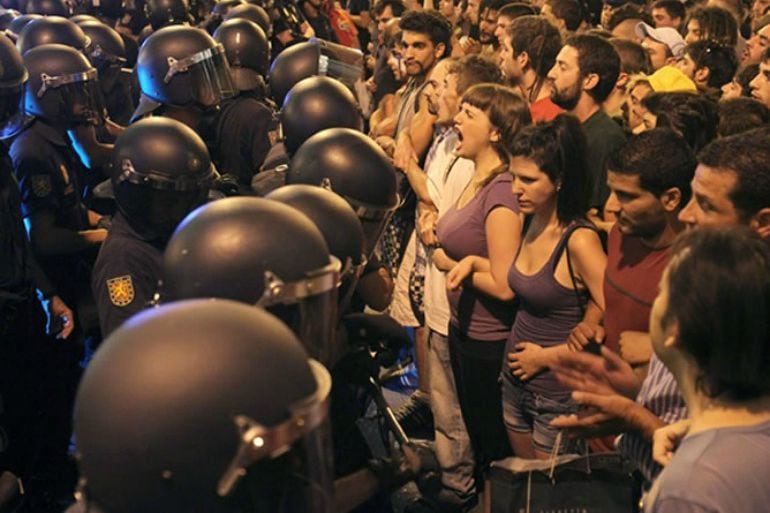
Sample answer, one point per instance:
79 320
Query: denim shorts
528 412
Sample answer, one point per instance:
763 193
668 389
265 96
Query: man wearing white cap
664 45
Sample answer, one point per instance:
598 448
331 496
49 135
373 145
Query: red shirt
630 284
544 110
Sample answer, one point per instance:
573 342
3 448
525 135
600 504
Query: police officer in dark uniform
204 406
332 157
312 105
253 13
259 252
107 52
183 74
239 132
24 344
161 172
62 93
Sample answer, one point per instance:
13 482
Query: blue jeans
453 446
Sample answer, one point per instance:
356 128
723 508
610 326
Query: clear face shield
309 308
351 272
286 468
340 62
79 97
207 73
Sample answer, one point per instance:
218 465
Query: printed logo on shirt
121 290
41 185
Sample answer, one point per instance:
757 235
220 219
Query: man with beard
584 75
528 50
490 11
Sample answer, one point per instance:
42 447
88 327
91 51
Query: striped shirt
659 394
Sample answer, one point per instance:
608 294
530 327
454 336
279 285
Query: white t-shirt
448 176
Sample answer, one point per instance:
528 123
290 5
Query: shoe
415 416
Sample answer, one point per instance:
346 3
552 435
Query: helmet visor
209 75
312 317
286 468
78 97
340 62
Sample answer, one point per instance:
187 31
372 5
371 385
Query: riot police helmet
63 87
163 13
259 252
51 30
314 57
161 172
315 104
247 50
338 223
18 23
353 166
13 76
47 7
182 66
203 406
6 17
253 13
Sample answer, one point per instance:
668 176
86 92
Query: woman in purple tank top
559 268
484 225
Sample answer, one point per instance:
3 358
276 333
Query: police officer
338 223
62 92
161 172
107 52
239 132
47 7
259 252
333 158
165 13
253 13
183 73
312 105
24 345
204 406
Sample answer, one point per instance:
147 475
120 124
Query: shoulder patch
41 185
121 290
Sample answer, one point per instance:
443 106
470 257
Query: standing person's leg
453 446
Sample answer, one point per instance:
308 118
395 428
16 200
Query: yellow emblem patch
41 185
121 290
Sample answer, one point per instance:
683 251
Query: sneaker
415 416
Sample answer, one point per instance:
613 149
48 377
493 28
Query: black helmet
253 13
51 30
106 47
259 252
315 104
163 13
314 57
13 76
47 7
247 50
63 86
339 225
204 406
181 66
6 17
353 166
81 18
222 7
106 51
19 22
161 172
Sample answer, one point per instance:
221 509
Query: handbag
591 483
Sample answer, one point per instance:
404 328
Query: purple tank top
462 232
547 313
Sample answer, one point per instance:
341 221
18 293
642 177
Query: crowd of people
564 201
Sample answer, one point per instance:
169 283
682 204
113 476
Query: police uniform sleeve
122 284
38 187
